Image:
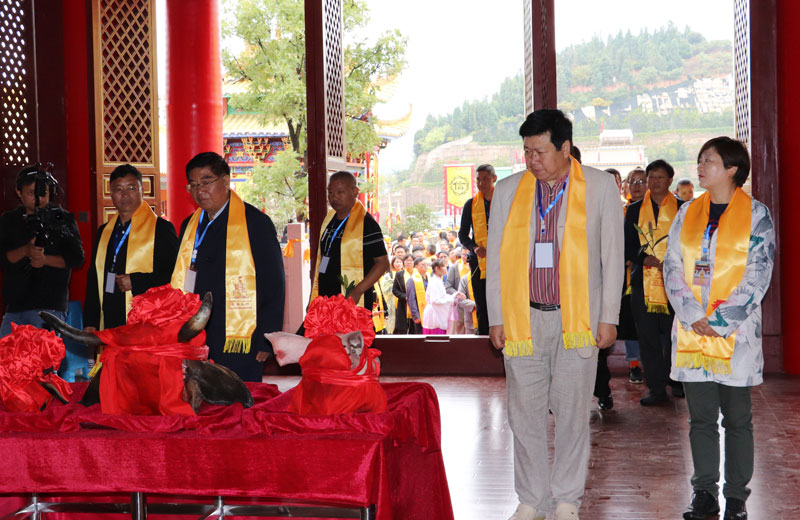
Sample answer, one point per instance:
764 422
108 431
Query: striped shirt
544 281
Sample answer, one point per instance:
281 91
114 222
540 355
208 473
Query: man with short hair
230 248
475 218
652 313
452 238
554 276
40 246
685 190
351 246
133 252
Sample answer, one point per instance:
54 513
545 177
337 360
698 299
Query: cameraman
40 245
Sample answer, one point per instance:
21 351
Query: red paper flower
162 305
337 315
25 355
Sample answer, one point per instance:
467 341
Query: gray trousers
705 401
562 381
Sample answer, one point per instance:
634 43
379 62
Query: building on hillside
616 150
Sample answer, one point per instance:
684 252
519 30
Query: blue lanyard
198 239
544 213
330 242
706 243
118 246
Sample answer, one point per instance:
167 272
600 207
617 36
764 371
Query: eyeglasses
637 183
125 189
204 183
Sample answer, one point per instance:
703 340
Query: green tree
418 217
273 62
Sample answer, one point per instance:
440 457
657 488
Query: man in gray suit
551 366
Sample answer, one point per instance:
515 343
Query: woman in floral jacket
716 271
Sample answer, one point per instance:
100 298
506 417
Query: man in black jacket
470 220
40 246
138 252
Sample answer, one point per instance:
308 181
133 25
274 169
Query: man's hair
211 160
419 259
635 171
576 153
685 182
485 168
401 237
733 153
438 263
660 164
26 176
613 171
123 170
431 249
453 231
548 120
399 246
418 247
343 176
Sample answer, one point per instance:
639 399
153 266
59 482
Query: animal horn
81 336
196 323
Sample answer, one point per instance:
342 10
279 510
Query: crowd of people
554 264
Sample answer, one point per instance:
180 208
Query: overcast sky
463 49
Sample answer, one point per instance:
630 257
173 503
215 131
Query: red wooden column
194 94
79 135
788 112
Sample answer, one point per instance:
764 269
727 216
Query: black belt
545 306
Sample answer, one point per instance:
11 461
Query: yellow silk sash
573 268
730 259
480 228
351 256
138 256
419 290
240 275
463 268
655 296
378 320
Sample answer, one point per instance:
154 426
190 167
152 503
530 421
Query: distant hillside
648 82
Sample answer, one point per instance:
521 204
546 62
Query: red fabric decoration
142 363
392 459
337 315
330 387
24 356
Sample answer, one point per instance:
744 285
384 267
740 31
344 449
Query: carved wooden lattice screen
741 68
18 84
126 98
334 85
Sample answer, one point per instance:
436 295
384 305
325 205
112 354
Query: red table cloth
392 460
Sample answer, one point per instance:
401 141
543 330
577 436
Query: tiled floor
640 464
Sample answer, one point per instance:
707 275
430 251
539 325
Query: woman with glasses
230 249
717 269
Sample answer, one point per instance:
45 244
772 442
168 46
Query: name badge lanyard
327 250
706 243
198 238
118 246
544 212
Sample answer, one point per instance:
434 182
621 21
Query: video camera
48 223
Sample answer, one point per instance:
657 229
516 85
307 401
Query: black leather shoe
605 403
735 510
703 504
654 399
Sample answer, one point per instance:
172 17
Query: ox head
203 380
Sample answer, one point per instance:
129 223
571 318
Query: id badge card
111 282
323 264
702 274
543 254
188 282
